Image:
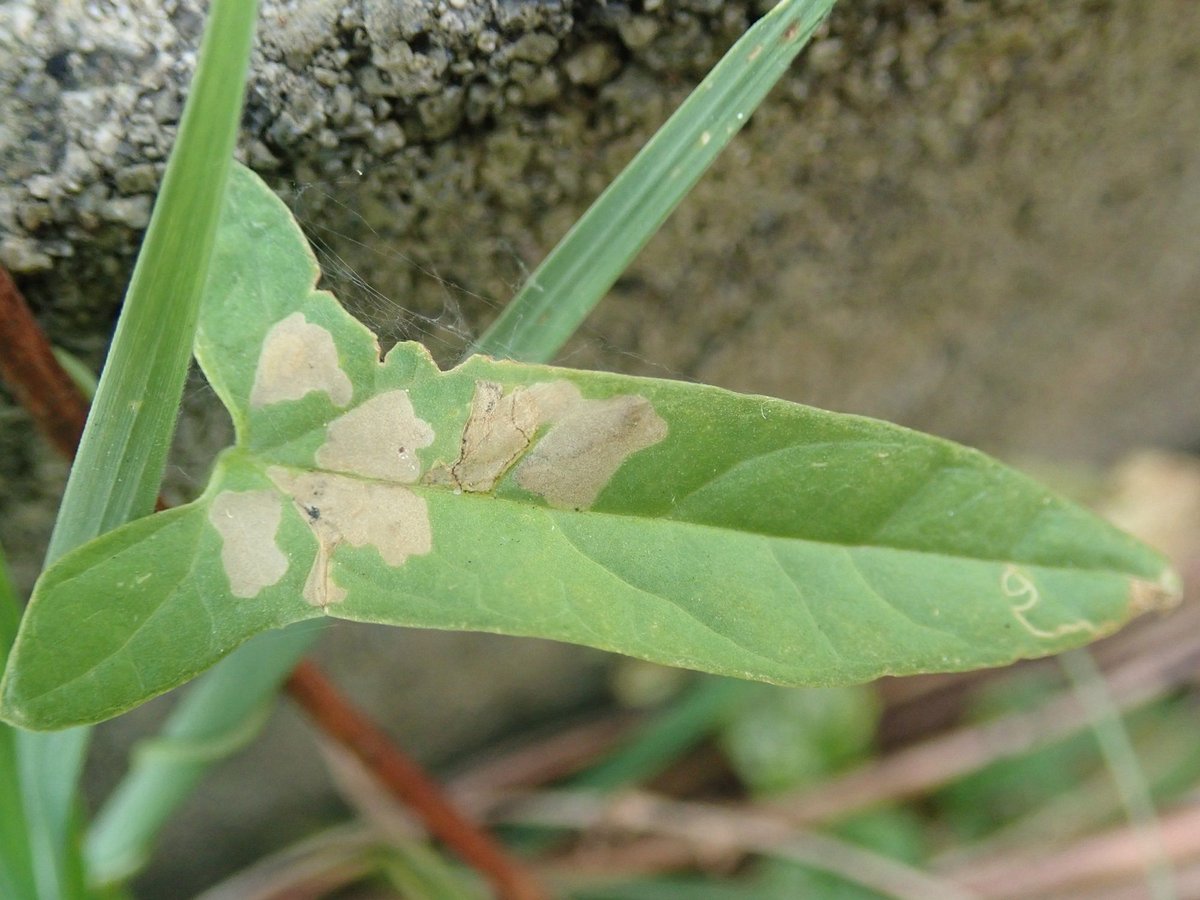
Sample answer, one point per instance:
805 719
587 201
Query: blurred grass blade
83 377
682 724
10 611
121 456
16 869
48 766
220 715
1124 766
579 271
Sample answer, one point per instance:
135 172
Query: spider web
403 295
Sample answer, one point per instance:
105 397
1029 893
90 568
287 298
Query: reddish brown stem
59 409
34 376
354 731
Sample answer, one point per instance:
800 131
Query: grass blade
219 716
121 456
1125 768
16 871
579 271
123 451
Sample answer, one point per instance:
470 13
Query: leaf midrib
434 490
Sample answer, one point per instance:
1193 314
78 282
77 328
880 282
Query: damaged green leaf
676 522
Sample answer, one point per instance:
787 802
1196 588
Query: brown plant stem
35 377
713 829
342 722
59 410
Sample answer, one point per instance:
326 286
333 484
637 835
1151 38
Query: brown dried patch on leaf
297 358
587 443
570 464
378 439
499 429
342 510
247 522
1155 596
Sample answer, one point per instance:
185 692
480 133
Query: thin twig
38 382
58 407
313 868
1118 853
713 828
341 721
939 760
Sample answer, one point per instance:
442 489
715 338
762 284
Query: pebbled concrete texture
975 218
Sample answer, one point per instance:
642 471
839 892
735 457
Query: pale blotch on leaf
587 442
247 522
343 510
1019 586
499 429
570 464
378 439
298 358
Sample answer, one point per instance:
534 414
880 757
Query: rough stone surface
976 218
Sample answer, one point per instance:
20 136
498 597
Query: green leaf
676 522
123 448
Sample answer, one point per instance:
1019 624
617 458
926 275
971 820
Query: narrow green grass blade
48 766
10 610
123 450
121 456
84 378
1125 768
16 869
579 271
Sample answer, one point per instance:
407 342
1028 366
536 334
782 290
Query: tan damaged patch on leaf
570 464
342 510
298 358
587 443
247 522
378 439
499 429
1155 596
